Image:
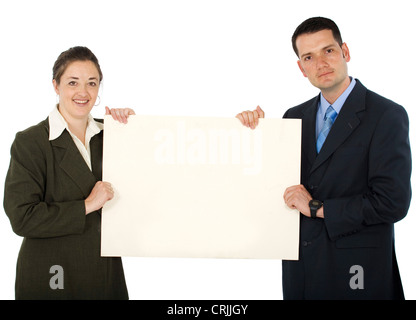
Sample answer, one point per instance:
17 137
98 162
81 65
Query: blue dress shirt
337 105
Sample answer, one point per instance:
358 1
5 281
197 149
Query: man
355 179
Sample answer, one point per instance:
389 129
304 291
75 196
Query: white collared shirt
57 125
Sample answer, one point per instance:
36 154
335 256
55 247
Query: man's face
323 61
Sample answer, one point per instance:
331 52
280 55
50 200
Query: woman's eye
93 84
72 83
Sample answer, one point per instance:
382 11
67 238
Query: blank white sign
200 187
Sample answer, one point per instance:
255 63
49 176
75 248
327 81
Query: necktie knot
330 114
329 119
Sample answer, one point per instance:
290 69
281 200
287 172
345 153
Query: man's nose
321 62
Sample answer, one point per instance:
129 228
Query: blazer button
306 243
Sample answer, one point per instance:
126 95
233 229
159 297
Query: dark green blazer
44 194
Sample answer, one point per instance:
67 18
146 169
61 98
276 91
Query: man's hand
251 118
297 197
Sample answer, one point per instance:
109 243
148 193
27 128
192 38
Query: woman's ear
55 86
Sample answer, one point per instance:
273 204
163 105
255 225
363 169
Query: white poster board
200 187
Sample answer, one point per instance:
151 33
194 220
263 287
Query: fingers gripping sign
297 197
250 119
100 194
119 114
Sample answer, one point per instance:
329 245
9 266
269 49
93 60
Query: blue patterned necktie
329 119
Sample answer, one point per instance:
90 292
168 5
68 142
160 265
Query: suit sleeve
24 195
388 193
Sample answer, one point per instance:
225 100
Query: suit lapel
308 131
344 125
71 161
96 147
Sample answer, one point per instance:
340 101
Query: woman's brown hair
71 55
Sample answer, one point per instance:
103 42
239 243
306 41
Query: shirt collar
337 105
57 124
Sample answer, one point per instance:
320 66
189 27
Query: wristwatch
314 205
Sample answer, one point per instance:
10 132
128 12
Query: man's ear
346 52
301 69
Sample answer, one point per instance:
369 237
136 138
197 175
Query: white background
199 58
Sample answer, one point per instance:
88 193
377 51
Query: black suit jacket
362 175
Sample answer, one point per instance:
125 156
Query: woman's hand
119 114
100 194
251 118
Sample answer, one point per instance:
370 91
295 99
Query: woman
54 194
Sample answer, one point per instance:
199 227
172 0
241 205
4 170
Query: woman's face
77 90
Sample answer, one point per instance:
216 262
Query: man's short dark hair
313 25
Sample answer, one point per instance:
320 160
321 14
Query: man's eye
329 50
307 58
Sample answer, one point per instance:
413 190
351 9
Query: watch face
315 203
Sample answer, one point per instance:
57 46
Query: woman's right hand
100 194
119 114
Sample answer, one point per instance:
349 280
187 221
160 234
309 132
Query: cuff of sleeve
338 222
